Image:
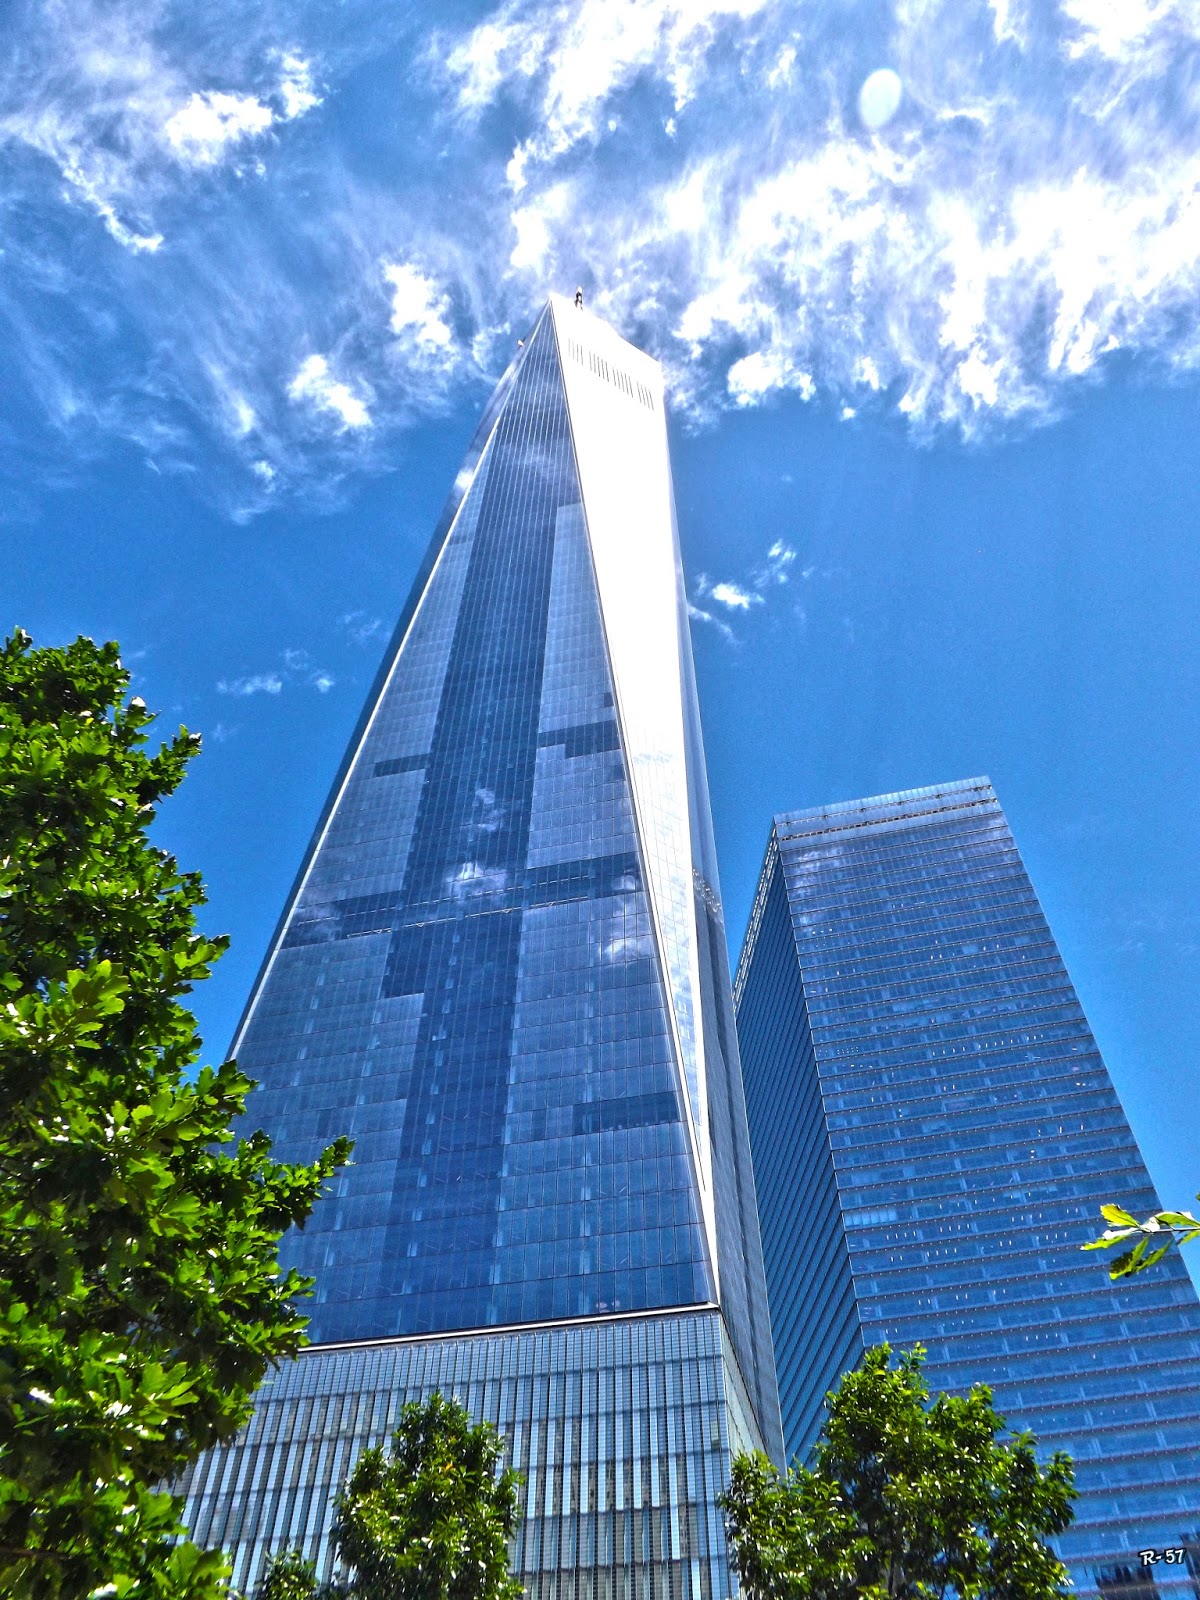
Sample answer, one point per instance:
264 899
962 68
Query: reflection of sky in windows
925 1070
478 983
469 983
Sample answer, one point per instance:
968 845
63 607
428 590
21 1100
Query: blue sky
932 339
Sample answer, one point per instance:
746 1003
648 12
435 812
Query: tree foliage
431 1520
905 1501
289 1576
1154 1236
141 1300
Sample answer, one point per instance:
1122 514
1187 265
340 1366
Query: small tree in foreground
141 1300
432 1520
906 1501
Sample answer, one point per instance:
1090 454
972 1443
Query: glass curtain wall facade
934 1131
502 971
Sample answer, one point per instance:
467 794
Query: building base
623 1431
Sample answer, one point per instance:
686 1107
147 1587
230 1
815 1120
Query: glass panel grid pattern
469 982
743 1285
622 1431
506 983
814 1311
920 1050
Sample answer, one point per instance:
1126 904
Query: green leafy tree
905 1501
1155 1236
432 1520
141 1299
289 1576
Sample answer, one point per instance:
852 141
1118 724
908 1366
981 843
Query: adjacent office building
503 972
934 1131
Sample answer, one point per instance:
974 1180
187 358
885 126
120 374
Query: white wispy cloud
254 683
750 378
85 188
298 670
959 230
100 95
142 294
733 597
315 384
699 614
201 131
762 585
362 628
297 86
214 121
583 55
958 210
419 310
778 567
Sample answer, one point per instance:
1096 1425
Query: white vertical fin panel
615 400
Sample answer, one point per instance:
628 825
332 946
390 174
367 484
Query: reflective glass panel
935 1132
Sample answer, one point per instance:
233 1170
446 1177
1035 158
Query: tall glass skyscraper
503 971
934 1132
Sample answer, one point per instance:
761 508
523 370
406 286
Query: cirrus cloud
298 669
417 308
733 597
196 262
1029 203
100 95
252 684
201 130
315 384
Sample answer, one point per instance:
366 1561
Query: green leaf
933 1490
143 1296
432 1518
